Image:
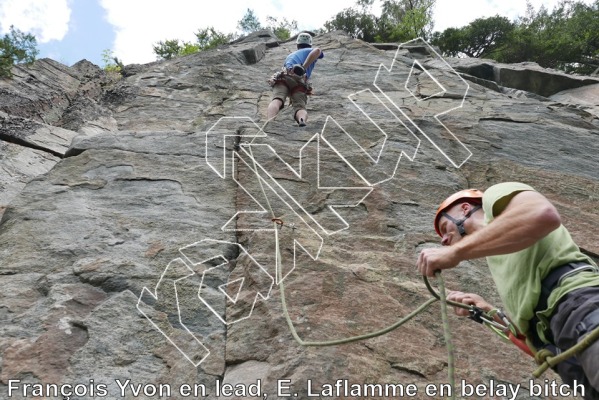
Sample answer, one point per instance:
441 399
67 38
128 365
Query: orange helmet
462 195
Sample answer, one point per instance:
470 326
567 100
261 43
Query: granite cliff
152 223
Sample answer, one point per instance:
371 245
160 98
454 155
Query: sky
71 30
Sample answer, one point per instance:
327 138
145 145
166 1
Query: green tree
189 48
358 21
481 38
206 39
111 63
450 41
566 38
487 35
526 41
167 49
16 47
359 24
282 29
249 23
585 41
403 20
570 38
210 38
400 20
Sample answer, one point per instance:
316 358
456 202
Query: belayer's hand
437 258
470 299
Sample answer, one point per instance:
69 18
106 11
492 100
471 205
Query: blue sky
70 30
88 35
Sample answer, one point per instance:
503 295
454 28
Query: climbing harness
555 278
294 78
544 357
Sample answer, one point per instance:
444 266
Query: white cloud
141 23
46 19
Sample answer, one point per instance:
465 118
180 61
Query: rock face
157 233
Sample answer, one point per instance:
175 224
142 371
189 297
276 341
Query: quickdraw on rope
277 221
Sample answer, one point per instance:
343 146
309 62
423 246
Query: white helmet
304 38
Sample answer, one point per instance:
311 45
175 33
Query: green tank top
518 275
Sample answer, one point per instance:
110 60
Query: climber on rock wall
293 80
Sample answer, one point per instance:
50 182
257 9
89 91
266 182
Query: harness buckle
581 267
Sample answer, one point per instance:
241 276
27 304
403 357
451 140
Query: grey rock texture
150 225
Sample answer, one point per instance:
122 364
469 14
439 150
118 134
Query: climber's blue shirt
299 57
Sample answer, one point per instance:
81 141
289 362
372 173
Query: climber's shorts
292 89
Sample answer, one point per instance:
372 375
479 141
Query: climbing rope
546 359
447 334
278 222
351 339
421 308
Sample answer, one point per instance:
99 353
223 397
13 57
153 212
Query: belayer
293 80
549 288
